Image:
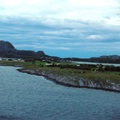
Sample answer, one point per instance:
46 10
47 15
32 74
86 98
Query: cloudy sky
66 28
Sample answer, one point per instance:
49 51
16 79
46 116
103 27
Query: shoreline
61 80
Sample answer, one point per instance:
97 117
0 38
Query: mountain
101 59
8 50
106 59
113 57
6 46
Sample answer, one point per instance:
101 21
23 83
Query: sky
64 28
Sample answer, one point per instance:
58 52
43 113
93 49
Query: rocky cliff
8 50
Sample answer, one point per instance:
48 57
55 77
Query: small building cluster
11 59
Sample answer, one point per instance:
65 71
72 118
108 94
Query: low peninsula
72 74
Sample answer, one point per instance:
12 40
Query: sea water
30 97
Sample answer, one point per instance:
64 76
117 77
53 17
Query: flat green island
72 74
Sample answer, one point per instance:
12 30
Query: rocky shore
71 81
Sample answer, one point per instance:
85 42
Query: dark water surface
30 97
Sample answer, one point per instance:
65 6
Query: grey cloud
62 35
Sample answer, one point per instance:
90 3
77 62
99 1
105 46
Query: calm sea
30 97
95 63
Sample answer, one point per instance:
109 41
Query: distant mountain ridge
101 59
8 50
105 59
113 57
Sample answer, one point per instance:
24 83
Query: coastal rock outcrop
73 81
